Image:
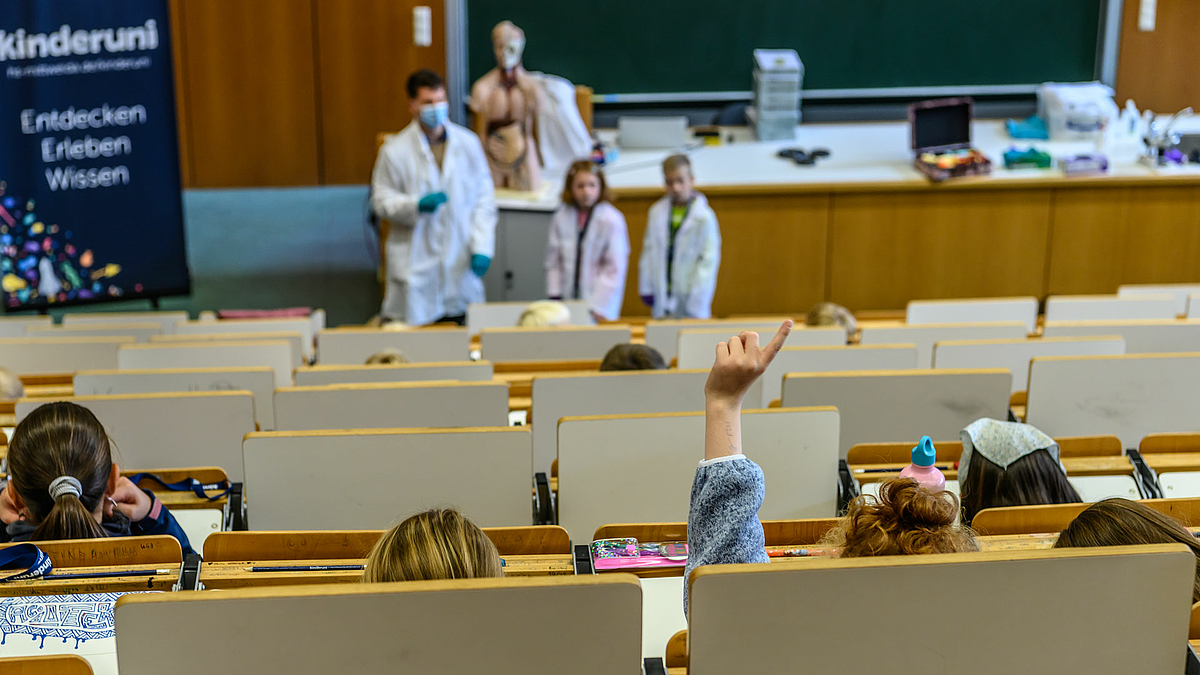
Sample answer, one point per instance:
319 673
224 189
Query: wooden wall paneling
889 248
1106 237
1163 233
1158 69
365 53
1087 241
772 255
183 127
251 92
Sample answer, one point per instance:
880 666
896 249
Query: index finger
776 342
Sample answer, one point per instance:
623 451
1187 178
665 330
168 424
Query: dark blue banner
90 205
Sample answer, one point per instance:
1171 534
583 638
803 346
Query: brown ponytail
905 519
61 439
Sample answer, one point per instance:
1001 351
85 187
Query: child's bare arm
738 364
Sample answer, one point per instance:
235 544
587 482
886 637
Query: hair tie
65 485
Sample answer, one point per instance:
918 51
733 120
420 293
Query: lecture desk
154 561
1076 466
224 575
863 228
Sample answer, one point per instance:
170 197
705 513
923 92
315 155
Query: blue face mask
435 115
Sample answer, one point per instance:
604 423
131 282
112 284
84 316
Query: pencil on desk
306 568
102 575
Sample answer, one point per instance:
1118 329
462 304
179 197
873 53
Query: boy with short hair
681 253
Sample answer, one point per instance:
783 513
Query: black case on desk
940 126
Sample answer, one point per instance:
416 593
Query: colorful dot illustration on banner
137 288
12 283
71 275
37 263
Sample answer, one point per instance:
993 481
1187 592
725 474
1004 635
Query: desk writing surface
739 613
172 429
1127 396
61 630
137 582
225 575
515 626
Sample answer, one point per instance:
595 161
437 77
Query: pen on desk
795 552
102 575
306 568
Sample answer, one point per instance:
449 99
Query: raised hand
740 362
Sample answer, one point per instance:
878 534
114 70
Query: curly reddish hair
906 519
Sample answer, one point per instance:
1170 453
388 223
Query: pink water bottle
922 469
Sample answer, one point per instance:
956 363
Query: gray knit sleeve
723 526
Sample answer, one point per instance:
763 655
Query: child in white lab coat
587 255
681 254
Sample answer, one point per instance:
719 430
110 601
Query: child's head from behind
585 185
1121 522
437 544
545 314
677 174
389 356
61 466
629 356
906 519
10 385
831 314
1010 464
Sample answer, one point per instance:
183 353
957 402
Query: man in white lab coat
431 181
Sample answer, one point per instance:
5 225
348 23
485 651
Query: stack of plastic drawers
778 76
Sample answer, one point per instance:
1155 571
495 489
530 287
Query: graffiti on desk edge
70 617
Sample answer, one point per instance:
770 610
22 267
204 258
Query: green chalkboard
670 46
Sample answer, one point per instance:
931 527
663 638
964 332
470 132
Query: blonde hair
10 385
831 314
386 356
906 519
675 163
543 314
436 544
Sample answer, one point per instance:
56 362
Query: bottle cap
923 454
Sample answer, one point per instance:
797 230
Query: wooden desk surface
177 501
238 575
1075 466
158 582
1173 461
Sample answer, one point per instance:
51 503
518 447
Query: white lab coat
604 263
562 135
697 259
429 254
